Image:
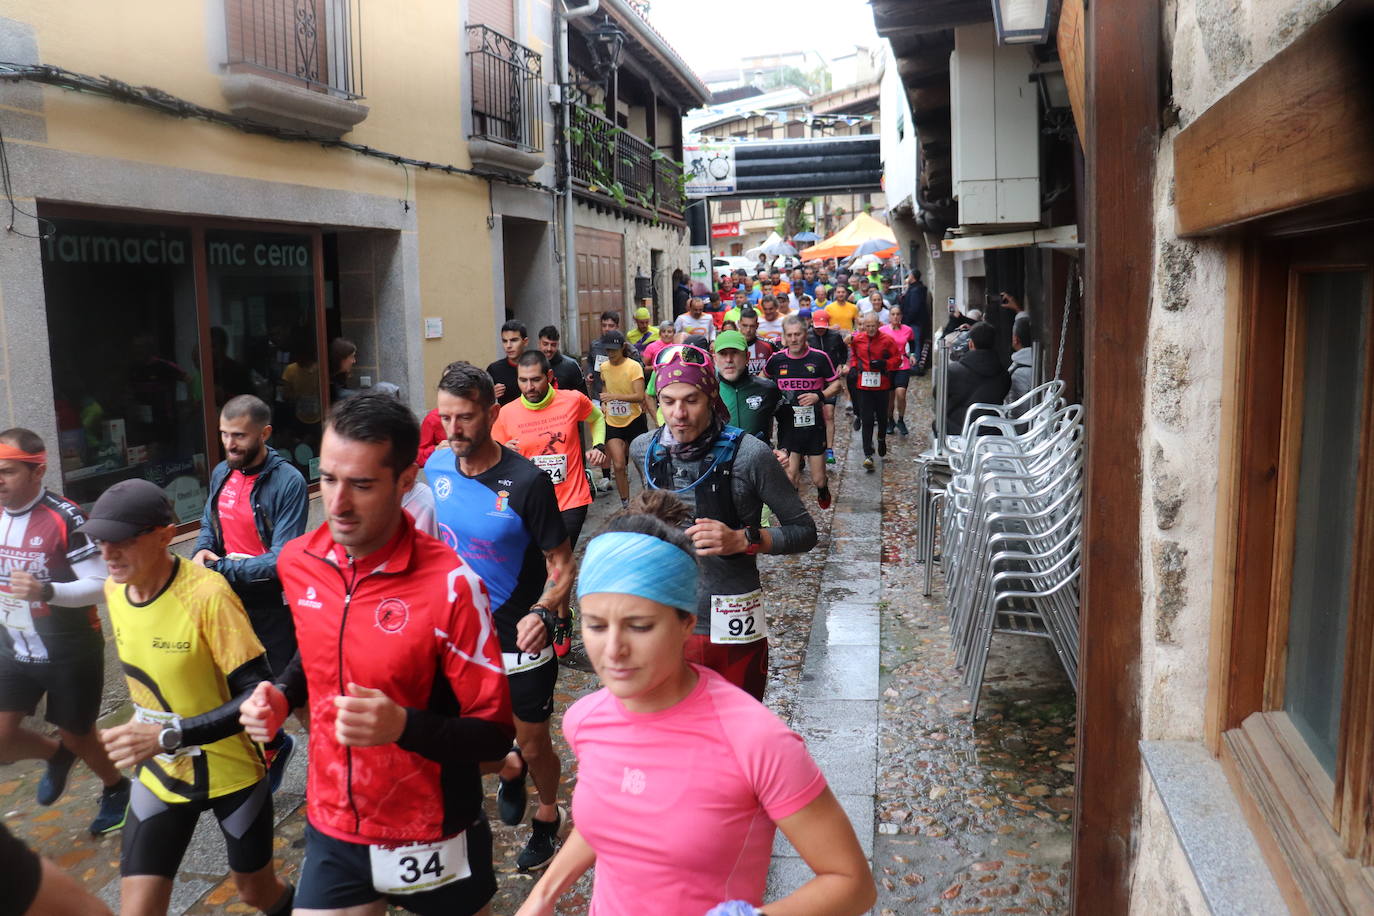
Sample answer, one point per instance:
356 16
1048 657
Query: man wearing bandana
726 477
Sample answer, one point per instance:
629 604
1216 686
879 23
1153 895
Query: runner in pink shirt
902 335
683 777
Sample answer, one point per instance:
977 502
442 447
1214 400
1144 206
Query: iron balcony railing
609 161
317 43
507 90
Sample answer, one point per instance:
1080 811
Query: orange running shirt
548 436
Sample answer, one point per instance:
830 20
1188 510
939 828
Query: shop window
1294 674
136 393
126 361
264 334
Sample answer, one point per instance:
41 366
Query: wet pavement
959 818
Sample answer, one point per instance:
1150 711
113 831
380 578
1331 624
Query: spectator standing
567 374
979 378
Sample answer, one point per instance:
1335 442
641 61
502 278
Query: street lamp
1022 22
605 42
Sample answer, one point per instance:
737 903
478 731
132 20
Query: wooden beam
1121 139
928 15
1056 237
1296 132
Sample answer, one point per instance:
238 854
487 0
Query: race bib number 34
738 619
421 867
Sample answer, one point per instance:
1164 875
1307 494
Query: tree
794 218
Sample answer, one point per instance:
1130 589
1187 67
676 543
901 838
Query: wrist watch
755 539
169 739
548 618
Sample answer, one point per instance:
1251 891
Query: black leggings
872 408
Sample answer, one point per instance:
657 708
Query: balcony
507 85
295 63
610 164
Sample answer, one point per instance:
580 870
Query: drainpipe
572 342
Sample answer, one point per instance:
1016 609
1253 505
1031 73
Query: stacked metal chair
1011 527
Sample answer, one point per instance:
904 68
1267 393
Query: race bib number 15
421 867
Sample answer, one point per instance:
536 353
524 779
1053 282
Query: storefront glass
122 331
262 327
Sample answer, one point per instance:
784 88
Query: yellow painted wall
413 70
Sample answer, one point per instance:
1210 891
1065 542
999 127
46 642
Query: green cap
642 312
729 340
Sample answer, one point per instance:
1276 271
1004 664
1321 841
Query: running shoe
276 765
541 846
605 485
882 448
624 503
891 427
857 424
562 636
830 456
511 797
54 781
868 463
901 426
823 497
114 806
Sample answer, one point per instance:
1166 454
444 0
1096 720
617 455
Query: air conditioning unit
995 120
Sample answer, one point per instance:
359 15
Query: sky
708 32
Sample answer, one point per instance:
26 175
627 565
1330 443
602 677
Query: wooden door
600 281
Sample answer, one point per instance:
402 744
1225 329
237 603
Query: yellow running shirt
177 652
620 380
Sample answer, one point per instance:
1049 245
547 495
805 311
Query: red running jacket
864 349
414 621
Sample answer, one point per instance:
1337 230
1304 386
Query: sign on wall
701 269
710 169
725 230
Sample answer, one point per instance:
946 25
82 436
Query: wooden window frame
197 225
1317 832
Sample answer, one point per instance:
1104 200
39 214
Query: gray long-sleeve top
758 480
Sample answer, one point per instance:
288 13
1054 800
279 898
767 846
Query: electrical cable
8 187
158 100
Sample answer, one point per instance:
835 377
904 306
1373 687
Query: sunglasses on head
685 352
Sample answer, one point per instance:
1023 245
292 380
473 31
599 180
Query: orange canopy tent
842 244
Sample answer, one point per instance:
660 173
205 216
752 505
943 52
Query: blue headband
626 563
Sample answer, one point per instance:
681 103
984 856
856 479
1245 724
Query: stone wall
1210 47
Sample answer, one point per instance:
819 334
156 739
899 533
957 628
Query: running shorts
73 687
531 692
276 630
573 520
337 874
901 378
157 833
807 440
21 874
744 666
639 425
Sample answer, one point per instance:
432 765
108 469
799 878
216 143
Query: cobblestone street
958 818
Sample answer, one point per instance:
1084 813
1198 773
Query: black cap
128 508
613 340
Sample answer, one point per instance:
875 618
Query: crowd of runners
416 634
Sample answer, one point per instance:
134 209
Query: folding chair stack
1011 523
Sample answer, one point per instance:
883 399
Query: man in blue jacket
258 501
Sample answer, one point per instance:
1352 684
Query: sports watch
755 539
169 739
